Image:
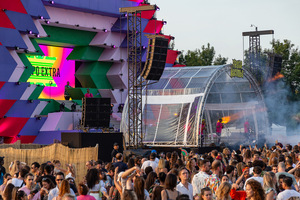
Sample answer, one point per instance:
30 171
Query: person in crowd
7 193
269 185
223 192
71 171
219 127
213 181
15 168
47 185
150 162
120 164
161 167
55 191
28 179
68 197
256 176
151 182
281 171
95 185
83 191
35 170
139 189
199 180
64 188
2 170
47 174
184 187
115 150
203 129
170 192
206 194
18 195
19 182
6 178
156 194
288 191
88 94
89 165
254 191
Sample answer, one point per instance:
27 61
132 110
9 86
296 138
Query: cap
116 144
153 151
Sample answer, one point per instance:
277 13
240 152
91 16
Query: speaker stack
156 57
96 112
275 64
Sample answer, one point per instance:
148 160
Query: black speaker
275 64
156 58
104 140
97 112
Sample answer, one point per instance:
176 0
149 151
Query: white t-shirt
286 194
259 179
17 182
183 190
151 163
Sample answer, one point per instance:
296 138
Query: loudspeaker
105 142
275 64
156 58
97 112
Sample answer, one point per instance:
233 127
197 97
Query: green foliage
202 57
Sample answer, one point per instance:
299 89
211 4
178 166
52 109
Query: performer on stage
66 94
203 128
246 126
88 94
219 128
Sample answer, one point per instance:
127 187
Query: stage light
18 83
164 22
122 90
73 107
37 35
29 31
113 46
144 47
39 118
94 28
157 8
104 30
57 22
62 107
41 17
17 48
4 117
122 60
104 44
47 21
4 10
30 101
77 25
112 59
26 51
51 2
26 67
172 37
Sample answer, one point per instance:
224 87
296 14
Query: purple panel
22 108
22 22
35 8
103 7
7 64
13 90
11 38
120 25
47 137
168 65
33 126
145 41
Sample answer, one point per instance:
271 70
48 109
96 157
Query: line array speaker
156 58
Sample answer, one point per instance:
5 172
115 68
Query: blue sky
194 23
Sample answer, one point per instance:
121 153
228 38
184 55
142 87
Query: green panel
79 102
36 93
28 70
93 74
66 37
39 51
52 106
88 53
78 93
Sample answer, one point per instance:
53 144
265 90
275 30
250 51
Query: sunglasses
59 179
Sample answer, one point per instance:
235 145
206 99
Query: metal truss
134 45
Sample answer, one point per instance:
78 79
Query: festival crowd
252 173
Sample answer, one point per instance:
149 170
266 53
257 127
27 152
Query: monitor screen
53 71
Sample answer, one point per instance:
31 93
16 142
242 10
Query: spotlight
122 90
29 31
112 59
47 21
172 38
125 15
4 117
73 107
113 46
94 28
104 30
37 35
122 60
57 22
26 51
41 17
157 8
26 67
30 101
18 83
39 118
62 107
164 22
4 10
48 35
77 25
104 44
17 48
144 47
51 2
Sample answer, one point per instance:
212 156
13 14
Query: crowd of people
252 173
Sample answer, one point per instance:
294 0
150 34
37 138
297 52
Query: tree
201 57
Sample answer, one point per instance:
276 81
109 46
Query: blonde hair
161 163
268 180
15 168
223 191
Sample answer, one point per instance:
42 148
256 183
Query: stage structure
178 102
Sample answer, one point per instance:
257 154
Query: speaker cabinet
156 58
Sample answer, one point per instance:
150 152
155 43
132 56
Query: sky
194 23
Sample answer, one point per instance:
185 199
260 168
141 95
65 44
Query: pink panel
153 26
5 105
11 126
171 56
13 5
